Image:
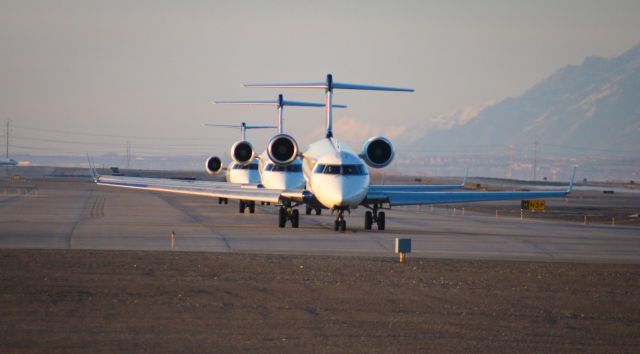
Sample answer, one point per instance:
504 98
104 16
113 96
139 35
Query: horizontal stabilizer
240 126
277 103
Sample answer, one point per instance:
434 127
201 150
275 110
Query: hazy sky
151 68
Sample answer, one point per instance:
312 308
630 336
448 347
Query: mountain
591 108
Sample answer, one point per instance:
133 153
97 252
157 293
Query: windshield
345 170
286 168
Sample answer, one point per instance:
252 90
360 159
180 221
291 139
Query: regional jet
337 177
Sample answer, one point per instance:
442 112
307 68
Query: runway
80 215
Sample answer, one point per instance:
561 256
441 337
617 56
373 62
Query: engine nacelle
242 152
377 152
282 149
213 165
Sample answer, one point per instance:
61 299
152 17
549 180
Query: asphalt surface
79 215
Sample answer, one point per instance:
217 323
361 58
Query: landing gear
223 201
340 224
242 205
374 216
286 212
309 209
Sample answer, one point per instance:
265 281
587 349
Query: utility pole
535 157
128 154
510 172
8 133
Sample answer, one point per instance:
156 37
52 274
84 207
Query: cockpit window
345 170
286 168
252 166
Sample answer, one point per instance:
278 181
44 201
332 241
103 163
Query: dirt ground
114 301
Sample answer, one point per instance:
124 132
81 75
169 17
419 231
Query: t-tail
328 86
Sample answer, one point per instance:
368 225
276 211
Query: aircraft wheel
343 226
335 225
241 206
252 207
282 217
295 218
307 210
219 200
226 201
318 211
368 220
381 220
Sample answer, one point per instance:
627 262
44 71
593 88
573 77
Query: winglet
573 175
464 181
92 170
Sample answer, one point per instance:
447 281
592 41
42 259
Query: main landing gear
242 205
309 209
286 212
223 201
374 216
340 224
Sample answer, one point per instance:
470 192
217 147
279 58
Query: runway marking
97 210
81 217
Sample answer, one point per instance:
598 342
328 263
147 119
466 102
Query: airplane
8 162
244 168
337 176
276 176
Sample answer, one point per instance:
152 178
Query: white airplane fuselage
281 177
243 174
335 174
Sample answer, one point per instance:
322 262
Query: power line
69 132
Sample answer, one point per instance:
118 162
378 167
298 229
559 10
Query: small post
403 246
454 211
613 221
462 211
585 220
496 212
521 214
173 239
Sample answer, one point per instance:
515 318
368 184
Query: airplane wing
398 198
418 198
204 188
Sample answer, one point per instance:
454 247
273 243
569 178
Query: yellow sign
532 205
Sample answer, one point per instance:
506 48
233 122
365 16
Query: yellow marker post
403 246
173 239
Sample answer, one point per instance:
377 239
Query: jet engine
282 149
377 152
213 165
242 152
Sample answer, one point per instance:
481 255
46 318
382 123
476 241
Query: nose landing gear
374 216
340 224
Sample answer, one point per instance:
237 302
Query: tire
381 220
368 220
318 211
335 225
241 207
226 201
295 218
282 217
219 200
343 226
252 207
307 211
